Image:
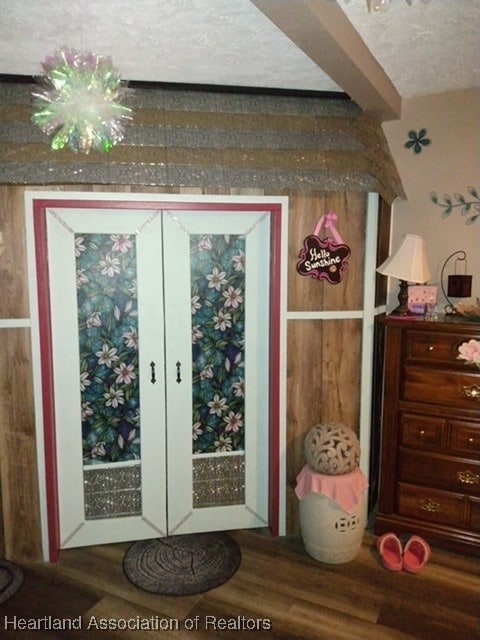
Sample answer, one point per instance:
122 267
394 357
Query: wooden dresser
430 440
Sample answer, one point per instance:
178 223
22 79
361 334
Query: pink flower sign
325 259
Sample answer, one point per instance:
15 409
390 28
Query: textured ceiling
423 48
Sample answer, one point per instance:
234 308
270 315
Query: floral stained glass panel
217 264
106 276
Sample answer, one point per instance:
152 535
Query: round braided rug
184 564
11 579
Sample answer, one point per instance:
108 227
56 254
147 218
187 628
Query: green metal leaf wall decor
463 204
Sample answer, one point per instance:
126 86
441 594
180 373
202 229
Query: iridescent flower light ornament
80 104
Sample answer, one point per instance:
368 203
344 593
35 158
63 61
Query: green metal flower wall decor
416 141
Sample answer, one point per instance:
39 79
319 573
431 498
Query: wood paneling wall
18 456
13 260
323 368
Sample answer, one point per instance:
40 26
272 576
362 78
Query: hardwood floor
278 592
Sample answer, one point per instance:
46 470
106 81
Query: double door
159 325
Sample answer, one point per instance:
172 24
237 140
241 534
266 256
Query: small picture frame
421 297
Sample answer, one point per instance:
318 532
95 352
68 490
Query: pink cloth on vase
346 489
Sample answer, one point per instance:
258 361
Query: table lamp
408 264
459 286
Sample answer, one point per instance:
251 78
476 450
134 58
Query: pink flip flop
390 550
415 555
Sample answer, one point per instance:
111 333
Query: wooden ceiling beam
323 32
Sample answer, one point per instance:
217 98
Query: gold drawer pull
429 505
471 392
468 477
421 432
430 348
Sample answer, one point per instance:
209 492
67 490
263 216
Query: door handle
152 370
179 367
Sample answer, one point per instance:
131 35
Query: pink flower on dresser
470 352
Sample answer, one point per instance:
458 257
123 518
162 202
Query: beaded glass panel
112 493
218 481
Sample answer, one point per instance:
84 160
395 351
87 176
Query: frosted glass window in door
106 278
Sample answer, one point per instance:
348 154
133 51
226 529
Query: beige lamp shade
409 263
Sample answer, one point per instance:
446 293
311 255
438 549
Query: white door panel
62 225
183 231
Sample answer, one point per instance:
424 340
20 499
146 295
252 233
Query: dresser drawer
422 432
464 438
430 504
474 517
452 388
432 347
451 474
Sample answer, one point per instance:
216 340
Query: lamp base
402 310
